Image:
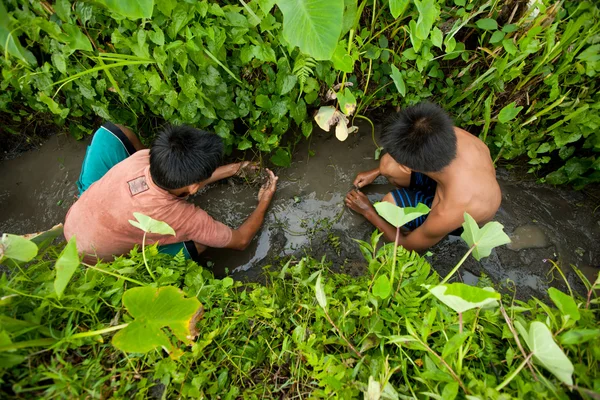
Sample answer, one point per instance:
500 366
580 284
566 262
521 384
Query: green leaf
152 310
347 101
453 344
546 352
487 24
397 7
263 101
565 303
428 13
461 297
509 46
281 158
509 112
450 391
398 81
437 37
187 83
320 293
399 216
65 266
264 52
497 37
75 38
286 83
59 62
382 287
341 59
53 106
17 248
9 42
579 336
313 25
373 389
150 225
132 9
484 239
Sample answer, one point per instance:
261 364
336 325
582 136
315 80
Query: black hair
420 137
182 155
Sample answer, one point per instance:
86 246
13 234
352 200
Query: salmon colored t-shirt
99 219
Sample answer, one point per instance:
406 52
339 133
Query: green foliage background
523 78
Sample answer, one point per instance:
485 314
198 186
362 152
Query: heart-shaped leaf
150 225
153 310
484 239
545 350
461 297
65 266
17 248
399 216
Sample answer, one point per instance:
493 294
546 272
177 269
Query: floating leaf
484 239
313 25
65 266
17 248
565 303
153 310
150 225
398 81
546 352
320 293
382 287
509 112
461 297
399 216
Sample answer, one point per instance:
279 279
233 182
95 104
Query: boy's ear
404 169
194 187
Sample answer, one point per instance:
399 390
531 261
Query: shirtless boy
432 162
119 177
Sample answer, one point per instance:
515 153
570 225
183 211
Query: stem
115 275
341 334
394 259
460 322
372 127
513 374
144 256
447 278
512 330
456 377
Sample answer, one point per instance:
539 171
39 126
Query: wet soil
308 217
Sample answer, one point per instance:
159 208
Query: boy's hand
267 190
246 168
365 178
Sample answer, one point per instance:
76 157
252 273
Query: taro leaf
546 352
397 7
9 42
320 293
382 287
509 112
313 25
326 117
65 266
281 158
565 303
398 81
347 101
154 309
428 13
132 9
17 248
484 239
341 131
150 225
461 297
399 216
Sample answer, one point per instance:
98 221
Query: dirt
308 217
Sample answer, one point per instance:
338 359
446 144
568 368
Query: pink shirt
99 219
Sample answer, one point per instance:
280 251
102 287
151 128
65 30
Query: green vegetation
397 332
523 77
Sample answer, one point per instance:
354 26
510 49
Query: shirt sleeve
195 224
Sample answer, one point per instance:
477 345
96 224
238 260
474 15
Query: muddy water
308 217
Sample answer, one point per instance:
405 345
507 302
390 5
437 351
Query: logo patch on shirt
138 185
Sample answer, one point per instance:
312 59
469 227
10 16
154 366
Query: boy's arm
241 237
227 171
365 178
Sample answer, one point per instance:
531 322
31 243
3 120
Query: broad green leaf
461 297
132 9
437 37
565 303
342 61
450 391
75 38
579 336
398 81
59 62
509 112
150 225
509 46
153 310
9 41
399 216
320 293
487 24
65 267
263 101
484 239
286 83
397 7
53 106
546 352
382 287
454 343
17 248
313 25
497 37
281 158
347 101
428 13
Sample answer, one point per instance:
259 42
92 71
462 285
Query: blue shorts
421 190
109 147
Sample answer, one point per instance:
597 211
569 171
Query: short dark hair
420 137
183 155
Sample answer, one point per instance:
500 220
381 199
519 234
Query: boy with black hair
432 162
119 177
